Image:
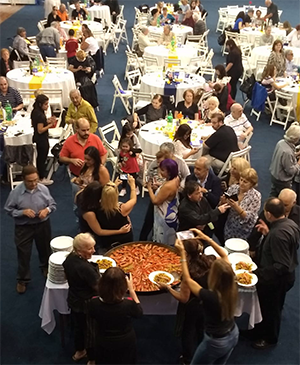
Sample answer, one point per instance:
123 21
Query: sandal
77 358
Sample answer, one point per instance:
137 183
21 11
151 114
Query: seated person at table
154 111
6 64
249 17
239 22
291 67
80 108
89 43
114 8
287 27
167 36
239 122
153 18
62 13
72 153
71 45
277 58
10 94
184 8
206 178
220 144
159 6
294 37
200 26
48 41
79 12
211 106
53 16
258 20
194 210
20 44
182 142
166 18
268 78
188 19
266 39
187 107
194 7
221 91
144 40
83 66
221 76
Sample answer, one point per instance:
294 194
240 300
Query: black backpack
248 85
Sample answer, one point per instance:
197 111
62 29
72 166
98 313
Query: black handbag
55 150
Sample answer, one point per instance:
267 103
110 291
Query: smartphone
123 176
185 235
233 197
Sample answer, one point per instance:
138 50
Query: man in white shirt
239 122
143 40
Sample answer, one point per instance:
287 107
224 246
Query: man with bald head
10 94
210 184
80 108
239 122
73 149
62 12
272 12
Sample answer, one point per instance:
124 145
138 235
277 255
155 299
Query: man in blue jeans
48 41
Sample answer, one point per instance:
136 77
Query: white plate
237 245
211 251
95 258
254 278
154 273
234 258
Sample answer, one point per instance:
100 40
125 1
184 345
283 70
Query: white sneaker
137 190
46 181
122 192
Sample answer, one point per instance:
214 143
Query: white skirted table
66 25
98 11
57 78
251 33
183 53
61 54
263 53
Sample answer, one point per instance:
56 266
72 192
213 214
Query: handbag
55 150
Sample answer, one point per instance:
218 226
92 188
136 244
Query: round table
151 136
98 11
22 124
182 30
61 54
251 33
91 24
263 53
57 79
184 53
155 83
294 89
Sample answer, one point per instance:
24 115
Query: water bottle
8 111
158 22
170 121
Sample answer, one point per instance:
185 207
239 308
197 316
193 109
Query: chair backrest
244 153
207 71
154 36
193 38
150 61
21 64
118 87
169 62
134 78
202 100
55 98
246 50
27 96
280 94
260 65
56 62
110 128
140 96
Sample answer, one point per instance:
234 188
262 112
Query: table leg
62 320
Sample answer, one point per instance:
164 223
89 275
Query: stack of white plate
237 245
62 243
211 251
56 273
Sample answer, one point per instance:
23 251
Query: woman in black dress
234 65
187 107
112 314
41 125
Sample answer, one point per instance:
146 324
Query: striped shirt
13 96
239 125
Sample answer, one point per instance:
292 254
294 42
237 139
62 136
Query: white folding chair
170 63
203 41
21 64
257 41
55 99
140 99
230 35
207 71
41 25
27 96
110 37
58 130
247 140
124 95
283 111
259 68
202 100
121 13
155 37
222 21
150 64
134 79
244 153
56 62
121 33
147 159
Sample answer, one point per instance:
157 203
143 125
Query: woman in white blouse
89 43
294 37
182 142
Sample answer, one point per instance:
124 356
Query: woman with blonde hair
219 304
89 44
211 107
83 66
6 64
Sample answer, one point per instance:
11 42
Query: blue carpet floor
22 340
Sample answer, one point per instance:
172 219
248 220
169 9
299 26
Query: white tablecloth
176 28
295 90
98 11
55 298
234 11
57 79
154 83
184 53
90 23
254 32
61 54
22 125
263 53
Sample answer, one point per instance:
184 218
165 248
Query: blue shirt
170 18
236 24
20 199
291 67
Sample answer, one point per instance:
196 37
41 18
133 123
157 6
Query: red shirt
71 47
129 163
73 149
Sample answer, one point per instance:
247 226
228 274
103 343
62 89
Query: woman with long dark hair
182 142
219 304
239 21
41 124
234 65
113 312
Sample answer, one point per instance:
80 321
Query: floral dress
278 60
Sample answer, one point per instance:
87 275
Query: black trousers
80 333
233 82
42 153
278 185
148 223
24 236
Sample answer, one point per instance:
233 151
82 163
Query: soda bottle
8 111
170 121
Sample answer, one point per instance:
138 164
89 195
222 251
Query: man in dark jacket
114 8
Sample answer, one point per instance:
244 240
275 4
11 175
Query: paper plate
57 258
237 245
96 258
236 257
153 274
211 251
253 276
62 243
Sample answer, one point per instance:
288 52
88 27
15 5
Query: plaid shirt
13 96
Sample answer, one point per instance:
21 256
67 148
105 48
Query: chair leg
113 105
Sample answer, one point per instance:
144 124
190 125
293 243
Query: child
128 132
71 45
128 162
